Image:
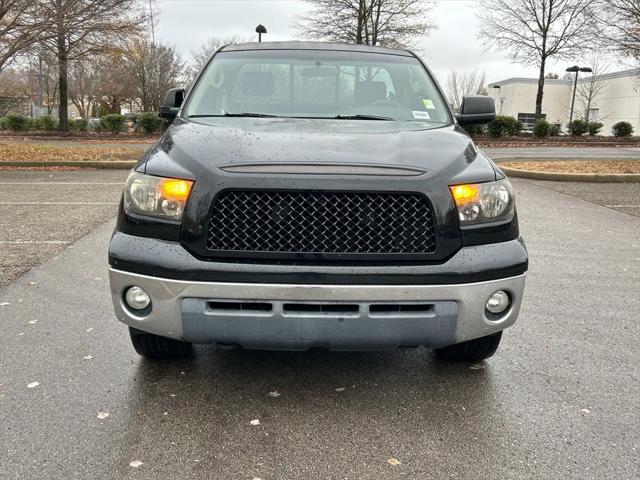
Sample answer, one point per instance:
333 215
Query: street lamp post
502 99
577 70
260 29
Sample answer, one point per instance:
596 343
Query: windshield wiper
231 114
361 117
250 114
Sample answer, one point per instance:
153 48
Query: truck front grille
321 222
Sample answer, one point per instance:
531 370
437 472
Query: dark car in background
317 195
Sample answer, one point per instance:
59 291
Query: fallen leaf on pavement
394 461
88 357
274 394
33 384
136 464
103 415
255 422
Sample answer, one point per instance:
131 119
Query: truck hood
188 148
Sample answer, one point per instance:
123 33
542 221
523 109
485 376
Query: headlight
483 202
156 196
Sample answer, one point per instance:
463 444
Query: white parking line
623 206
34 242
58 203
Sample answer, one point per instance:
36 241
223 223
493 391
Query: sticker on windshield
421 115
428 104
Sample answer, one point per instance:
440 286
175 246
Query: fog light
498 302
137 298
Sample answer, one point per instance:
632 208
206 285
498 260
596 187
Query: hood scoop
323 169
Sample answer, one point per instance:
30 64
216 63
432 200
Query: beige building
615 97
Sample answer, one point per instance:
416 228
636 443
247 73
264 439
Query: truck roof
299 45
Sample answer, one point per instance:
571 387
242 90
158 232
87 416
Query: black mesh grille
321 222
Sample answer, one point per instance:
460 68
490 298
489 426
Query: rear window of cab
317 84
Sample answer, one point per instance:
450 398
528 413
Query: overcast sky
454 45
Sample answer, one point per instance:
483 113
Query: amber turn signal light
466 193
175 189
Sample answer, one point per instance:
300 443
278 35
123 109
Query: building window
528 120
594 114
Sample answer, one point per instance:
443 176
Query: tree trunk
63 111
361 21
63 60
540 93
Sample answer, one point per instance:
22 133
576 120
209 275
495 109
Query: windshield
317 84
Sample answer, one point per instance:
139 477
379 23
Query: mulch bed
578 166
45 169
78 137
566 141
15 152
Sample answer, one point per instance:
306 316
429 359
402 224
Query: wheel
154 346
471 351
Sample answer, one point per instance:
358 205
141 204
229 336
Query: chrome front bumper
293 317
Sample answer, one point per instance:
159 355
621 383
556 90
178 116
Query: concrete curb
573 177
114 165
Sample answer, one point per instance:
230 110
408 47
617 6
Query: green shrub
16 122
541 128
46 122
555 130
577 128
113 122
148 123
504 126
622 129
79 125
594 128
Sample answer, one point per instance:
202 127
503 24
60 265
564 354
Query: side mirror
476 109
172 102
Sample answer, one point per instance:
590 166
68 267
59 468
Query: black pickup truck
317 195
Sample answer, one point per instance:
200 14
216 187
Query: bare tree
84 81
591 88
155 68
466 83
115 87
534 31
43 70
14 81
20 27
200 56
394 23
15 91
80 28
620 20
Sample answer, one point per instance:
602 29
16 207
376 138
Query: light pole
499 97
260 29
576 69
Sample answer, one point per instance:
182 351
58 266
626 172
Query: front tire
154 346
474 350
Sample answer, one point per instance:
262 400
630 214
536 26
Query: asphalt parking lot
44 212
561 399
